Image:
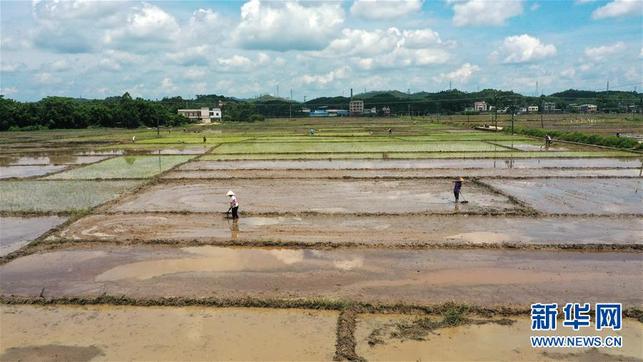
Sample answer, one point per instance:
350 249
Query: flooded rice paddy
113 333
389 230
365 222
378 339
577 196
416 164
15 232
325 196
481 277
28 171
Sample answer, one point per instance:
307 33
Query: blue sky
95 49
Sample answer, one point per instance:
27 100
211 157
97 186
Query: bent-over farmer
234 204
457 186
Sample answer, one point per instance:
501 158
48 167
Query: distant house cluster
203 115
356 108
547 107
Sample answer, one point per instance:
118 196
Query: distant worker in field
234 205
548 141
390 131
311 131
457 187
133 139
204 139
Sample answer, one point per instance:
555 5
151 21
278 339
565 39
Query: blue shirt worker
457 186
234 204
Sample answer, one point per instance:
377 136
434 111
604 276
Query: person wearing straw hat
457 186
234 204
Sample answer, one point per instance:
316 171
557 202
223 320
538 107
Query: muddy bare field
479 277
414 164
384 231
317 196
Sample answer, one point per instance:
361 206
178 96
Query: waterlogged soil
405 173
484 342
48 159
321 196
27 171
123 333
577 196
376 230
480 277
415 164
15 232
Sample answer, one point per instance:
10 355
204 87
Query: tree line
127 112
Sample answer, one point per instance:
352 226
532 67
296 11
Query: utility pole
542 110
290 105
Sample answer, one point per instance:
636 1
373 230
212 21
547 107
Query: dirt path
386 231
479 277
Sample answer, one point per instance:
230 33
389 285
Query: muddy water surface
386 230
112 333
481 277
322 196
405 173
486 342
15 232
48 159
27 171
415 164
577 196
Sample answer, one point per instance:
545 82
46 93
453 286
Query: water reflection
218 259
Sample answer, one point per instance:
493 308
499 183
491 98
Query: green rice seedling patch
349 147
123 167
59 196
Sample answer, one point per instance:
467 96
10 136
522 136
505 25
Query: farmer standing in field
457 186
234 204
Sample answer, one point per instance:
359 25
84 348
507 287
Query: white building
356 107
532 109
480 106
203 115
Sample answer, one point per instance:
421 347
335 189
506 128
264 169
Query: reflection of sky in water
209 259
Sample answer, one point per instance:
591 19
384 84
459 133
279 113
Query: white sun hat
230 193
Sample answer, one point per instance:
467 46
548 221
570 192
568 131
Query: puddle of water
577 196
165 333
486 342
27 171
16 232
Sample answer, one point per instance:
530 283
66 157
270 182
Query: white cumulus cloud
523 49
288 25
462 74
147 26
484 12
604 51
384 9
325 79
618 8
